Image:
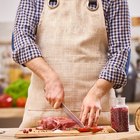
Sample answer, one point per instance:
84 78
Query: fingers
57 104
91 117
82 109
50 99
84 115
54 102
54 93
97 116
92 114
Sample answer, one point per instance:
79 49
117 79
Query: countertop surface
18 112
131 135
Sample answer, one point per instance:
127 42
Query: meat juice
119 116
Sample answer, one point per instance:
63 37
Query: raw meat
52 123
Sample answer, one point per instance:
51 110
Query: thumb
57 104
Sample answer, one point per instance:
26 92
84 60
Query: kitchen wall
8 10
134 7
134 12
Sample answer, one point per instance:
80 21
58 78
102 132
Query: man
78 51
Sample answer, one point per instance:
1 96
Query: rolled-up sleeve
119 50
24 47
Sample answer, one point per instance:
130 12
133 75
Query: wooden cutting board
137 119
48 133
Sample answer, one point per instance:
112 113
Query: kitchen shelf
135 21
7 43
11 112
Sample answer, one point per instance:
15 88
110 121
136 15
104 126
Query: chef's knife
66 110
71 115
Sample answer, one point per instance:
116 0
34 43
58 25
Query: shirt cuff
25 54
114 75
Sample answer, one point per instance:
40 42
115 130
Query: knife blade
71 115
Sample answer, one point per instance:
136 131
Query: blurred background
14 79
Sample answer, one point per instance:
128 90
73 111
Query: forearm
40 67
119 50
24 47
101 87
53 89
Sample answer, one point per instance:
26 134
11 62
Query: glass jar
120 116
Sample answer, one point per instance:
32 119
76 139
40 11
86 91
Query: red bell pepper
83 129
5 101
96 129
90 129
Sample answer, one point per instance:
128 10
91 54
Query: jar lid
137 119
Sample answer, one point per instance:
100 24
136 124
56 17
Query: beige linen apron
73 41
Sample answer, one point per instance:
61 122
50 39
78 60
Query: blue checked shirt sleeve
118 20
24 47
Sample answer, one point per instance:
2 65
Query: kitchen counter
11 112
131 135
12 117
18 112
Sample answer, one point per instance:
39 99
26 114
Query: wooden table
18 112
132 135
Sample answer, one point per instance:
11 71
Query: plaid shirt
117 22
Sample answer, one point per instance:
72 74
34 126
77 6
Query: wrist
102 87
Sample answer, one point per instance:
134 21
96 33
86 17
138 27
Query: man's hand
91 106
54 91
90 109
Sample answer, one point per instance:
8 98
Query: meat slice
52 123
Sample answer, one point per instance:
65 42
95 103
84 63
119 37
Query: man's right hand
54 91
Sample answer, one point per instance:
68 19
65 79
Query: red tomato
20 102
6 100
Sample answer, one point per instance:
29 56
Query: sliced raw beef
52 123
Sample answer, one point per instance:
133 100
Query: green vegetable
17 89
